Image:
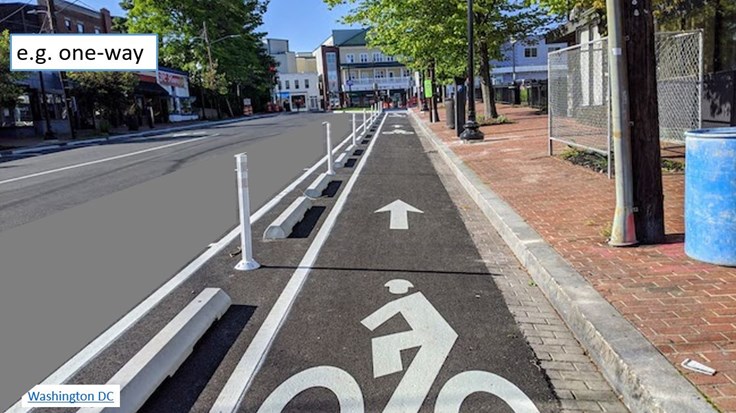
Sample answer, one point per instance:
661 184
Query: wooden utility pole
638 29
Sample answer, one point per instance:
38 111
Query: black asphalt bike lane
439 336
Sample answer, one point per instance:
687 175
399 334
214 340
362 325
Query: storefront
165 95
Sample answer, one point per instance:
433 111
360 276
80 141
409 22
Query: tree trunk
638 26
486 84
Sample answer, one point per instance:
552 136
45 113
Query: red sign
171 79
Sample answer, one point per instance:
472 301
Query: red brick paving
686 308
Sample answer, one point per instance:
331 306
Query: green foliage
9 89
422 32
229 50
104 92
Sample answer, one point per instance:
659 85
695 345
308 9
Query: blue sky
305 23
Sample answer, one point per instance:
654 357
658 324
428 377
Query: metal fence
679 83
579 94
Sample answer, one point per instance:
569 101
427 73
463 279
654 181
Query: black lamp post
472 131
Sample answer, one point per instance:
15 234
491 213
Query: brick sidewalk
687 309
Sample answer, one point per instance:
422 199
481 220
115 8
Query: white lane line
112 158
103 341
232 394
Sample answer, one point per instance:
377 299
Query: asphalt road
87 233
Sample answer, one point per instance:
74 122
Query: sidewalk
685 308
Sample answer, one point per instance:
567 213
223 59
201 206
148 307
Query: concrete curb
127 136
284 224
645 379
163 355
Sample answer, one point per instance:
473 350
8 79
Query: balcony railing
366 84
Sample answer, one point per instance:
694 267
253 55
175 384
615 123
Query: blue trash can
710 195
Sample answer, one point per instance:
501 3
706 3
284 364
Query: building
165 94
297 83
300 91
523 61
353 74
73 18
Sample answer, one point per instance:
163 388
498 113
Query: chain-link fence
579 95
679 83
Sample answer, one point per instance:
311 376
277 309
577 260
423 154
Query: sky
305 23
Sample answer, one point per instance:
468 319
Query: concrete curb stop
163 355
645 379
340 161
315 188
284 224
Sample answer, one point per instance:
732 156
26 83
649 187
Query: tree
638 30
104 92
9 87
422 32
215 41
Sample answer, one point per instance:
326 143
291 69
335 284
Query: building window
97 30
407 73
377 57
80 27
306 83
331 57
390 75
553 49
296 83
350 58
379 74
281 85
288 85
68 25
530 52
389 58
364 58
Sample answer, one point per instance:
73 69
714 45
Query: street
83 245
379 300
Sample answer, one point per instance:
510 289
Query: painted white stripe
232 394
112 158
103 341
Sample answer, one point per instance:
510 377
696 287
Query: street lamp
472 131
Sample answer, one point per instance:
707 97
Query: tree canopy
9 88
420 32
215 41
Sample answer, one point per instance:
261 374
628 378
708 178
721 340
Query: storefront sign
171 79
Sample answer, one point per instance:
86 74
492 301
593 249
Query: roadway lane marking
232 394
104 340
112 158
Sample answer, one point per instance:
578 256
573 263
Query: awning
150 89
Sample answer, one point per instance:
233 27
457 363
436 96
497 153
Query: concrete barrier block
284 224
166 351
315 189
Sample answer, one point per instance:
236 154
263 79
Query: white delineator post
247 262
355 131
330 162
365 125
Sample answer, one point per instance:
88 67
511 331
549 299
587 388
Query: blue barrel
710 196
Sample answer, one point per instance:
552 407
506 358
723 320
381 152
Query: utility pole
638 30
623 231
62 75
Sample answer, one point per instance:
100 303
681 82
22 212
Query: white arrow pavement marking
399 213
398 132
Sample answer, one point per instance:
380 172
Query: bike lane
399 312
